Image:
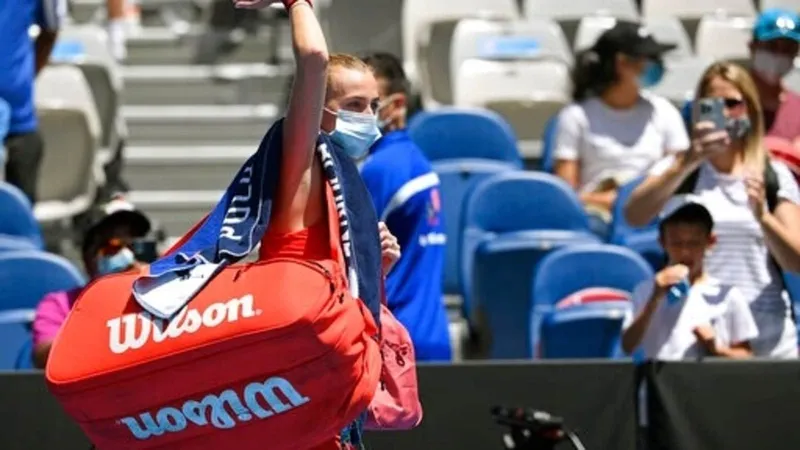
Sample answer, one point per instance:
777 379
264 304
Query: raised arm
304 113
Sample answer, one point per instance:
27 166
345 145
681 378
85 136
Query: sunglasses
731 102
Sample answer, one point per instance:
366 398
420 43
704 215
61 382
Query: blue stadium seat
573 268
591 330
25 356
457 177
18 223
511 220
548 163
455 133
14 332
642 240
792 282
26 276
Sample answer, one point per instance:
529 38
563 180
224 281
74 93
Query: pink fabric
396 404
51 313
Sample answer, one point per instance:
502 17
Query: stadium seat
723 38
26 276
18 227
569 14
525 93
788 4
680 79
72 131
511 220
419 15
548 163
695 9
591 330
642 240
24 359
460 133
538 38
590 28
456 178
14 333
102 73
573 268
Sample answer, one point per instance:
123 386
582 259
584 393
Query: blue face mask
651 75
355 132
119 262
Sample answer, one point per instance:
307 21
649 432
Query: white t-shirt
670 335
741 255
618 144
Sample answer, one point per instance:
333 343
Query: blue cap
777 23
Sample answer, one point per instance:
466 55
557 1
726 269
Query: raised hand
390 248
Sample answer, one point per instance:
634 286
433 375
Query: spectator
405 191
710 317
613 131
20 62
107 248
753 201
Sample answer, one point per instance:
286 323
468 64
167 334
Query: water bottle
678 292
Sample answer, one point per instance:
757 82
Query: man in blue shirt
405 191
20 61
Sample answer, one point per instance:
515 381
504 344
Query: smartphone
145 250
710 109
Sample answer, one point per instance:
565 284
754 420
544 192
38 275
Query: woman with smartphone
614 130
754 201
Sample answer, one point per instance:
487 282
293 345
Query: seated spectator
684 313
405 192
753 201
613 131
106 249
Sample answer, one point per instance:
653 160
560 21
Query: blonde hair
342 61
754 154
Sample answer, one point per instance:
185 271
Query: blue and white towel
239 220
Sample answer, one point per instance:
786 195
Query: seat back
576 9
514 202
500 285
72 131
25 356
418 15
457 177
17 221
525 93
101 70
27 276
619 226
670 30
14 333
569 270
590 28
464 133
724 38
591 330
695 9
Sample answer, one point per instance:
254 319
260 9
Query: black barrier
595 399
731 405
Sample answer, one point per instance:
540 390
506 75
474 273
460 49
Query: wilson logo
225 410
132 331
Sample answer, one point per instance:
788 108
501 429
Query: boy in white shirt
709 317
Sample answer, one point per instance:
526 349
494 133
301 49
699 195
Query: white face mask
771 67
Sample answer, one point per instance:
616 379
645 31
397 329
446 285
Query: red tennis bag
271 355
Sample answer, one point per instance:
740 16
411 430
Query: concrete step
184 168
163 46
205 85
198 125
175 211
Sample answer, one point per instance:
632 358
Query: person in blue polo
405 191
20 60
